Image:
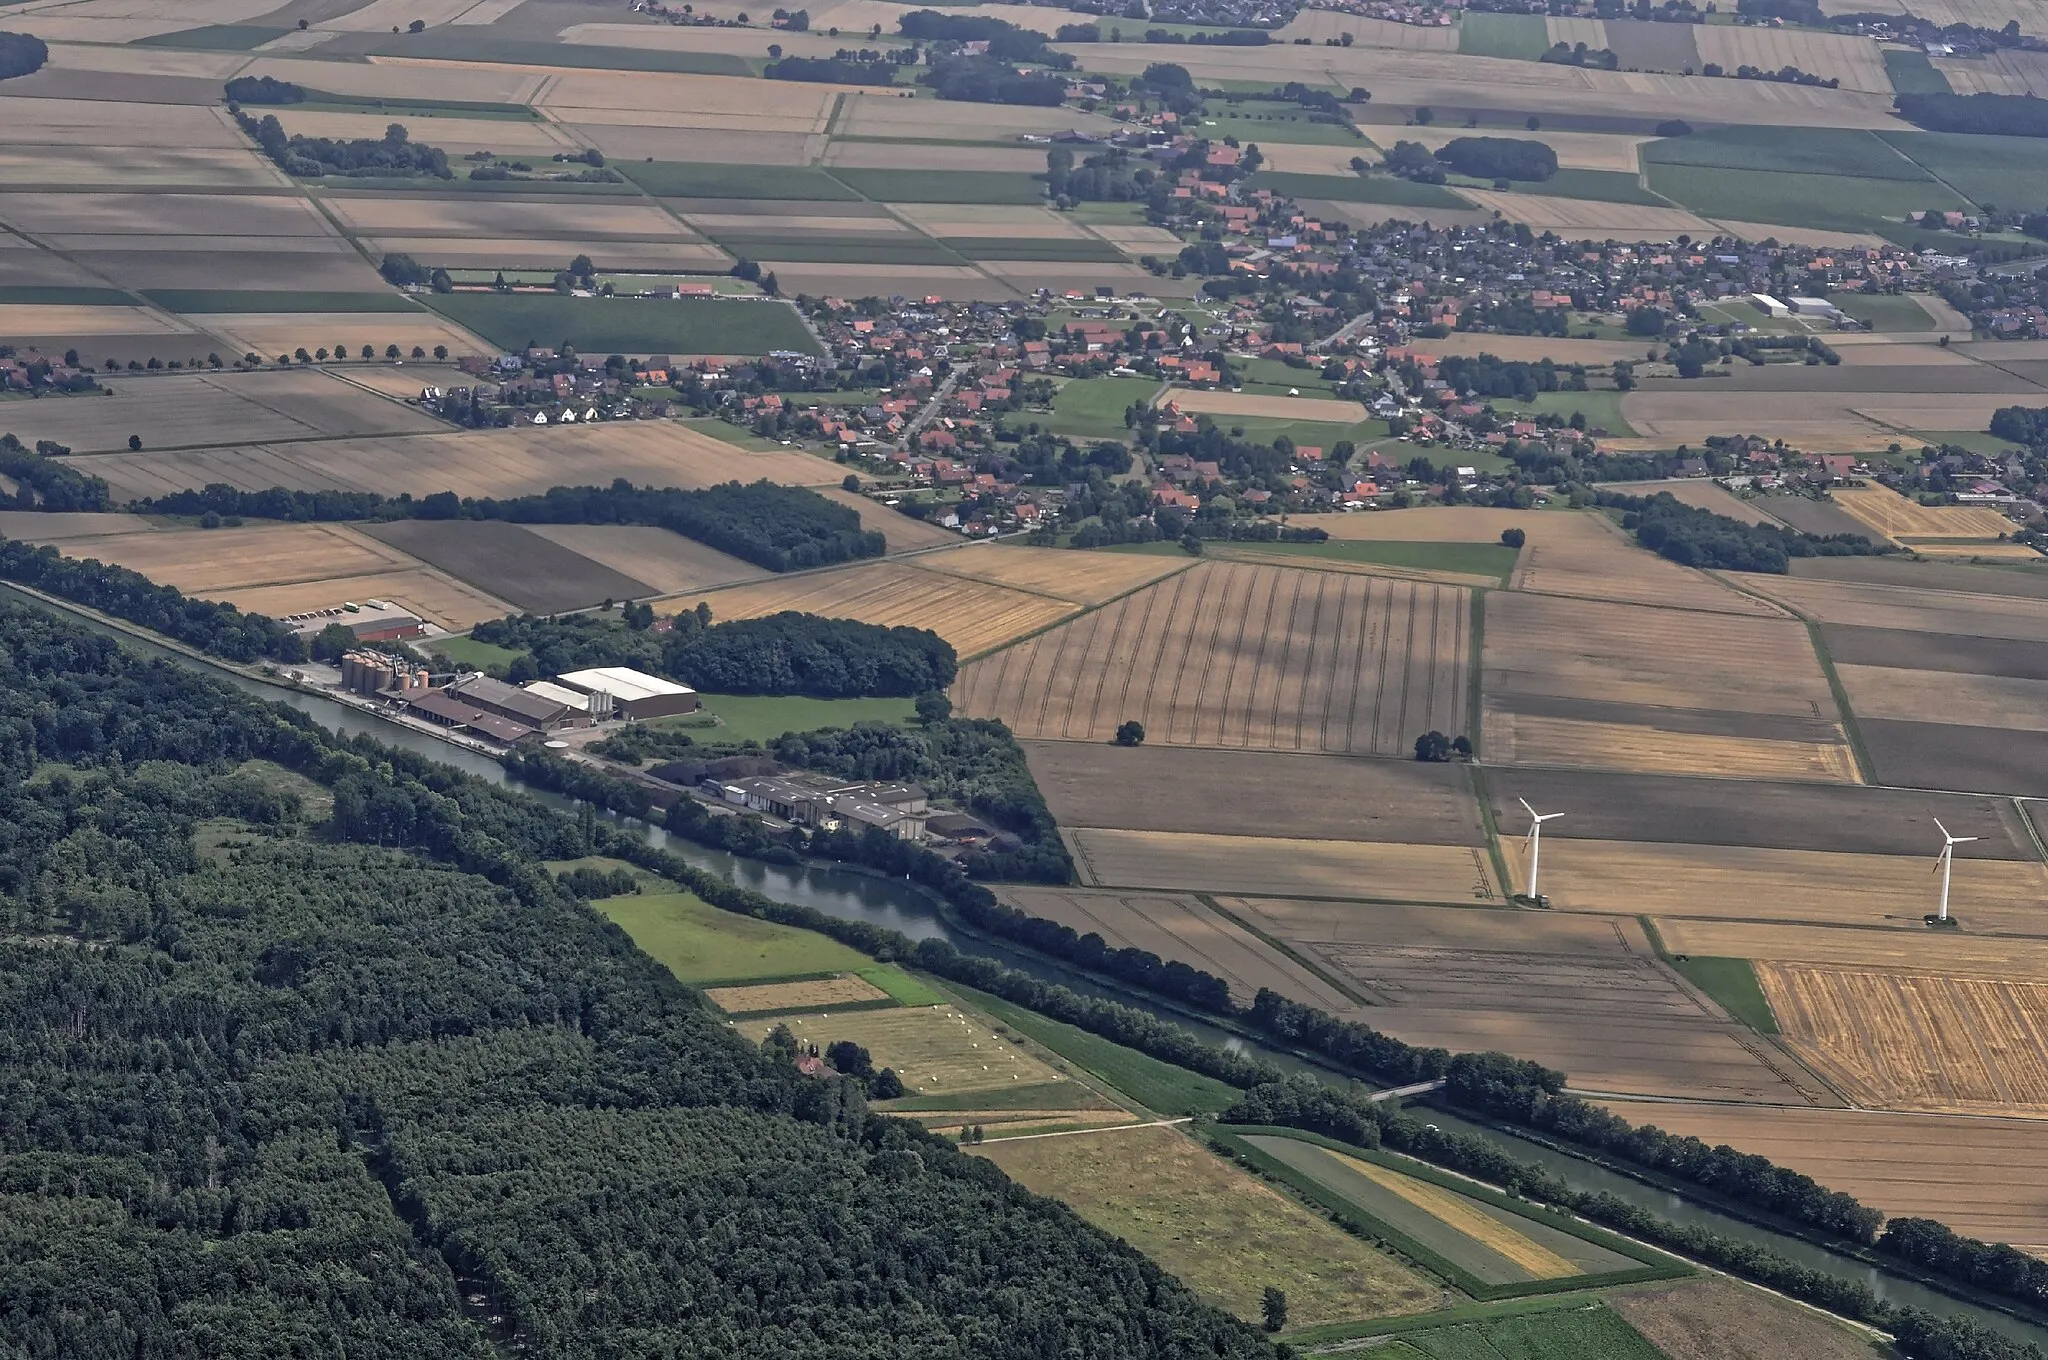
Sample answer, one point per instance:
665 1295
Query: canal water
905 908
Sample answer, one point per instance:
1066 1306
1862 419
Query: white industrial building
634 694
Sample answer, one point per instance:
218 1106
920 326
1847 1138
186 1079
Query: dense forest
48 483
1694 537
787 653
782 528
1499 157
209 626
277 1088
264 90
1987 114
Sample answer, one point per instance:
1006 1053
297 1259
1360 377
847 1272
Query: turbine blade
1963 840
1526 808
1944 830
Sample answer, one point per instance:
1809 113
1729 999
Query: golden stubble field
1078 578
1738 883
1178 861
1950 953
1907 607
1229 654
1984 1177
974 616
1890 515
1917 1041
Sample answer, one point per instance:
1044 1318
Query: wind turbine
1945 861
1535 841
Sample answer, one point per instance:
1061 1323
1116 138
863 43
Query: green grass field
1598 186
1590 1331
902 987
764 717
1849 203
1602 408
627 325
1264 430
944 186
687 179
1522 37
835 248
201 301
1092 408
64 295
469 652
1472 559
1910 72
462 187
1841 152
1108 214
424 108
1382 189
1987 169
1885 311
1055 251
1732 982
1274 377
736 435
699 943
477 44
1158 1086
1269 122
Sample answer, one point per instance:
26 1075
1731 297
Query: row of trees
205 625
1986 114
782 528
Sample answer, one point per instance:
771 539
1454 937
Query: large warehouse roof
623 683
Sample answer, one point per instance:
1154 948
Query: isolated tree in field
416 26
440 351
1513 538
1273 1307
1425 116
933 708
1130 733
1433 746
134 443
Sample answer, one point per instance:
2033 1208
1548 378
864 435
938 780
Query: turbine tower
1535 842
1944 862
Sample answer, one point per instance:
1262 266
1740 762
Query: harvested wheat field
1958 699
1852 59
1580 219
974 616
1904 607
1575 150
1077 578
82 323
1986 1178
1646 748
1700 494
207 562
1914 1041
433 595
1890 515
517 462
177 410
1738 883
1716 1318
903 533
1233 655
1950 953
1219 1228
58 526
1356 870
666 561
937 1050
811 994
1184 929
1954 549
1310 797
1582 993
1228 404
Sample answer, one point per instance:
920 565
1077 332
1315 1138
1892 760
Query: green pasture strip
705 946
1519 37
1577 1329
1845 152
903 989
691 179
466 651
1355 1219
1381 189
1156 1085
1910 72
1052 251
441 188
473 44
1848 203
512 321
1033 1097
1316 433
1473 559
1447 1317
1885 311
202 301
1093 408
944 186
838 248
1267 123
64 295
1600 406
1108 214
215 38
317 101
1732 983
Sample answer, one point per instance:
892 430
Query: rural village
1186 678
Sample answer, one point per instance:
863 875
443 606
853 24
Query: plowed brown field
1232 655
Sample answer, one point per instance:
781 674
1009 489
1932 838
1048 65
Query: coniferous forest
336 1068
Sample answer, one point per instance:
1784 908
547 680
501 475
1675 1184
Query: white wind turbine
1946 861
1535 841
